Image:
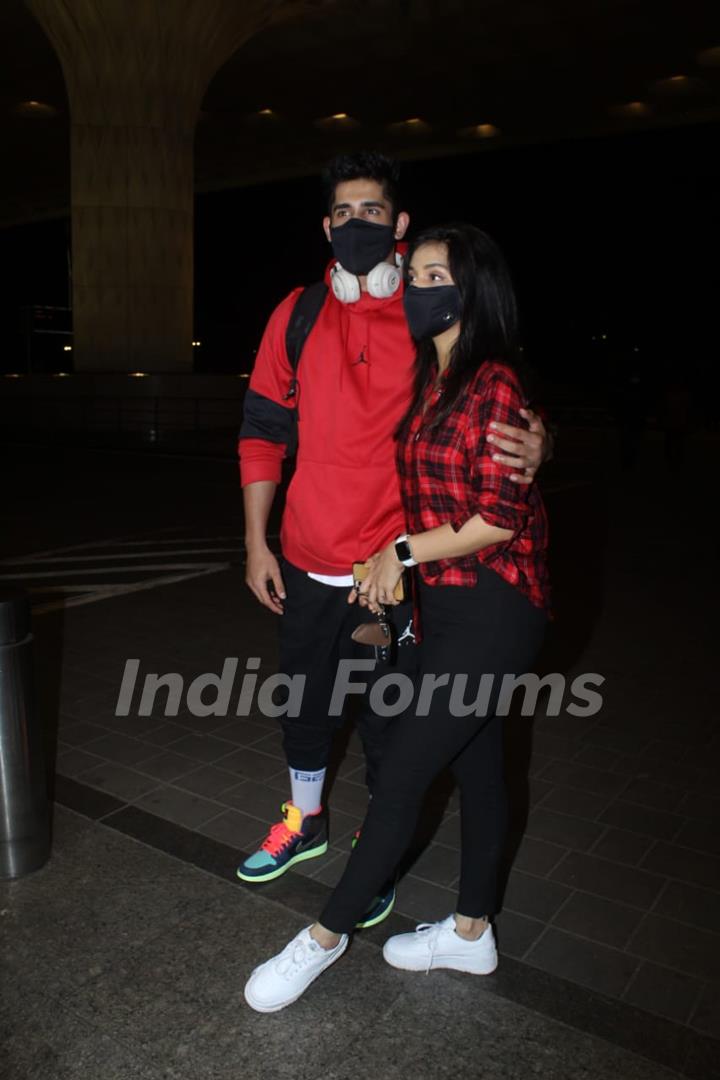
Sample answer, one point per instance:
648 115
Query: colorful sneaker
381 906
436 945
290 841
285 977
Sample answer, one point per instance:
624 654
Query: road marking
23 560
122 590
120 542
113 569
182 540
44 589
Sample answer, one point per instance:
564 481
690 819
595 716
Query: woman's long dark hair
489 320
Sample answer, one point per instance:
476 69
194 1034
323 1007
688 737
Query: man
351 388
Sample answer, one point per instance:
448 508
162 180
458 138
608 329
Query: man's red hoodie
354 382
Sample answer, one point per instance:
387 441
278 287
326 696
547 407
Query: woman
478 541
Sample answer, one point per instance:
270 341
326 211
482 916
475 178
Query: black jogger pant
492 630
315 630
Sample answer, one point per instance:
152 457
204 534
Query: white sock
307 789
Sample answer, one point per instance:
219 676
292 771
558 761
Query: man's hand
263 578
525 449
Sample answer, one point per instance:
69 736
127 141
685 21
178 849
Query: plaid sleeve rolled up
447 476
499 500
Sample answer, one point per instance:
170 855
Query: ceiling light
480 131
631 109
137 374
709 57
37 108
676 84
336 120
413 123
265 117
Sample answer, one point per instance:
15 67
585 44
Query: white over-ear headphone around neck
382 281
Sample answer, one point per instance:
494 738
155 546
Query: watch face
402 550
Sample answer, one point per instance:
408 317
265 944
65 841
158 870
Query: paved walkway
610 928
129 964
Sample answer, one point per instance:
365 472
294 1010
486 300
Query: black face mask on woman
359 245
431 310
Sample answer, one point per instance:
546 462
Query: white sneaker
437 945
284 978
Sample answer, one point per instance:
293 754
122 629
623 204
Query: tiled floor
139 976
614 883
610 884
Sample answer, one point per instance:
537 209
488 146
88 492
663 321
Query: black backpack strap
304 316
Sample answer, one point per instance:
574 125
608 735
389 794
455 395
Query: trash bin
24 812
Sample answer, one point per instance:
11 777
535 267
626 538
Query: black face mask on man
431 310
359 245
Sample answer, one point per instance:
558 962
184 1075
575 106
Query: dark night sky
616 236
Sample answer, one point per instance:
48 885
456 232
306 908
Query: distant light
594 338
60 374
604 337
265 112
677 84
37 108
137 374
67 348
709 57
339 119
636 349
632 108
480 131
242 375
197 343
13 375
413 123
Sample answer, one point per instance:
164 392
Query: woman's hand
384 572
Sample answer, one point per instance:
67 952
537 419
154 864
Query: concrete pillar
136 72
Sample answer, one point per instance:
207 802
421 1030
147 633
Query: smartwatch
403 552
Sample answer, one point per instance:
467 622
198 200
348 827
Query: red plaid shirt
447 475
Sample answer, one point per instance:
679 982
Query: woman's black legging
490 629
